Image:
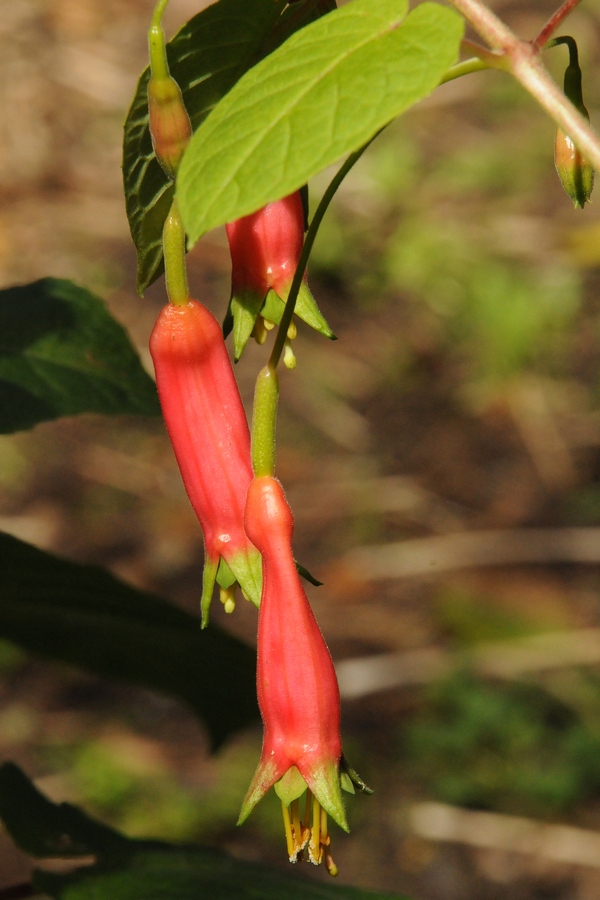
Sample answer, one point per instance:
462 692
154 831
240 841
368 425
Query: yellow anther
260 331
227 597
289 358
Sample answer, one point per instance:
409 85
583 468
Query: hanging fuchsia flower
208 429
297 689
265 250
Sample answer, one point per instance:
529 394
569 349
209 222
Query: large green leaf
84 616
210 53
61 353
132 870
323 94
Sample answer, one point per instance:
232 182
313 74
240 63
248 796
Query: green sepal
246 568
225 577
324 782
346 783
301 570
306 309
209 576
350 774
264 778
290 787
241 317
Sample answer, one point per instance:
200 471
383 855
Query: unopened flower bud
170 125
575 172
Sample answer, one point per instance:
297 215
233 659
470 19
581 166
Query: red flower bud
170 126
265 250
208 429
297 687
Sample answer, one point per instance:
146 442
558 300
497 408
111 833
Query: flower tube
297 689
209 432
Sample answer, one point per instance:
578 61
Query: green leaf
206 58
45 829
129 869
323 94
86 617
62 353
191 874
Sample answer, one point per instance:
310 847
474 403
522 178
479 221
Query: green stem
159 65
264 420
267 386
465 68
306 250
174 254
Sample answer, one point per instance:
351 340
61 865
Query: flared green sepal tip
208 585
349 776
309 312
246 566
306 309
244 308
324 782
264 778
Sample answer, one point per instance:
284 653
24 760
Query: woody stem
522 60
554 22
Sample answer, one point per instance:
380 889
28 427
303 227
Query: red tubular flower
208 429
297 688
265 250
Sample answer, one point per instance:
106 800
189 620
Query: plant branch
521 59
554 22
306 250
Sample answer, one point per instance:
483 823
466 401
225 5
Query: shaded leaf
129 869
206 58
45 829
323 94
62 353
84 616
191 874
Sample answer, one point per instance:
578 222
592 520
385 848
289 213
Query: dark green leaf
194 874
45 829
131 870
303 571
84 616
206 59
62 353
323 94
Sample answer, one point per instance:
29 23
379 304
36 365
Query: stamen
259 331
291 849
295 810
307 809
324 837
227 597
330 865
315 851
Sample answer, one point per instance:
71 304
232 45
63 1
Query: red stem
553 23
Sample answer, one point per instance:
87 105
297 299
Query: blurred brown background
456 423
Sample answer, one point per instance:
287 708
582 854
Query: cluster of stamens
308 840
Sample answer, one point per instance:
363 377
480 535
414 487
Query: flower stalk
522 60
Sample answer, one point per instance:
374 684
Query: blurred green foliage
512 748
